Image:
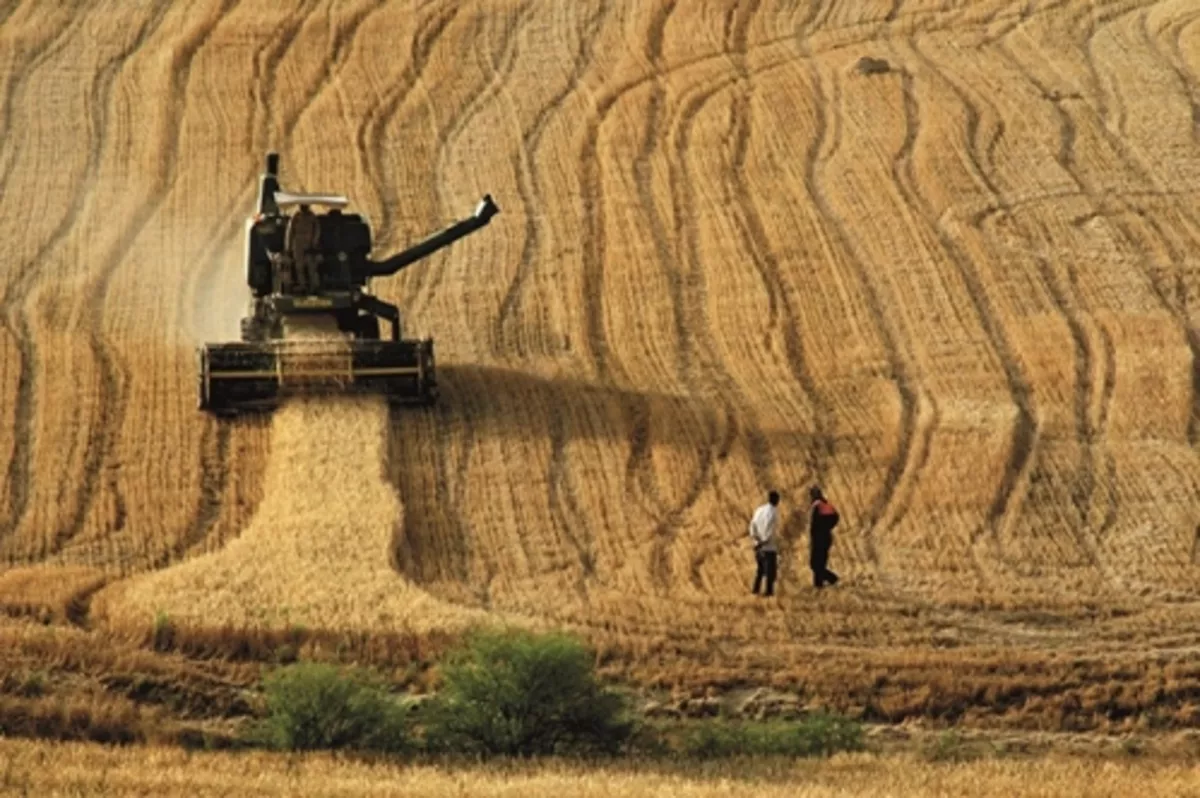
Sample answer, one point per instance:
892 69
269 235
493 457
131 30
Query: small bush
162 637
316 706
815 735
519 694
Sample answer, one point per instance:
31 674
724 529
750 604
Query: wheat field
953 283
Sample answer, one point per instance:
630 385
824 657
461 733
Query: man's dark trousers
818 560
768 562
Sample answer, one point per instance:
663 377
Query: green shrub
519 694
163 635
814 735
315 706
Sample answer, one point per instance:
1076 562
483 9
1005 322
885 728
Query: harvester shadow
431 449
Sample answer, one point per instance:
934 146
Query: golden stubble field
959 293
102 771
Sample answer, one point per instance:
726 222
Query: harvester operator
303 236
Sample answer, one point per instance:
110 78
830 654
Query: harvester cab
313 324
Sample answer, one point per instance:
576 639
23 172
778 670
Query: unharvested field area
961 293
72 769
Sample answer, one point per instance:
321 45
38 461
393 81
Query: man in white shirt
764 527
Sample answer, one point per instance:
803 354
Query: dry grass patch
102 771
49 593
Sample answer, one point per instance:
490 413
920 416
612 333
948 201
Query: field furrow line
1025 434
114 375
590 171
676 245
756 241
1063 298
99 97
20 281
18 81
1187 76
17 65
566 509
264 71
664 532
731 397
912 442
1143 233
371 132
501 71
1141 236
529 186
591 197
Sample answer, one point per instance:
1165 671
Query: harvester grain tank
306 271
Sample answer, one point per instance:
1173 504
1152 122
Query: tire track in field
18 81
595 247
502 71
754 237
1066 300
755 240
12 310
639 469
99 97
736 34
912 448
370 135
1024 435
664 533
529 188
370 138
911 452
593 251
215 442
13 76
103 434
1173 54
592 210
565 507
685 290
263 73
689 290
1139 241
425 284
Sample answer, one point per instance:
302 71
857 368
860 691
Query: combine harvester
305 268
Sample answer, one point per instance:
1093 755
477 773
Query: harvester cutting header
304 266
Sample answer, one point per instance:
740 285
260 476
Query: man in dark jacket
824 519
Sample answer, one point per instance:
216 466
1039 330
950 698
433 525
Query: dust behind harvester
304 268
